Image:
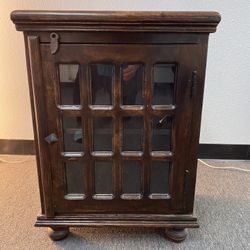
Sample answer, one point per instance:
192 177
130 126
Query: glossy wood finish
117 21
147 38
132 53
36 93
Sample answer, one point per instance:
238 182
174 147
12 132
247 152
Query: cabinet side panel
39 121
34 123
197 100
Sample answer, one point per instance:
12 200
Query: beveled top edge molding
162 21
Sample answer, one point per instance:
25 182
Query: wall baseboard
224 151
206 151
18 147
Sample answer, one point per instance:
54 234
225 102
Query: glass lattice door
116 118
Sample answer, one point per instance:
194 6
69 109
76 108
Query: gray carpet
222 206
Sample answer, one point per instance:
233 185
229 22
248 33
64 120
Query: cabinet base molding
160 221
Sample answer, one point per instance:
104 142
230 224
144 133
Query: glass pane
103 177
101 83
103 133
69 84
161 133
163 84
132 133
132 84
72 133
75 177
159 177
131 177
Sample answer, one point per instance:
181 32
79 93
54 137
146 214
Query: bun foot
176 234
58 233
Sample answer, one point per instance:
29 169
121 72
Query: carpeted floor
222 206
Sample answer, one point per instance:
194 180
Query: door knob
52 138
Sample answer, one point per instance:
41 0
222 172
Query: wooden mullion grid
148 130
70 112
117 130
103 157
103 111
85 92
66 111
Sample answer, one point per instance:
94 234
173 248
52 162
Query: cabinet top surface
162 21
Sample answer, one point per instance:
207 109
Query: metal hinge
54 42
193 83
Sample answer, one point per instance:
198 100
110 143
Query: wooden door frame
182 109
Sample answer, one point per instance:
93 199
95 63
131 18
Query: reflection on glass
131 177
72 134
75 177
159 177
103 177
132 84
161 133
102 133
69 84
132 133
101 83
163 84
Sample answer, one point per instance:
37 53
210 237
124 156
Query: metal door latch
54 42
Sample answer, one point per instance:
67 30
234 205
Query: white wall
226 109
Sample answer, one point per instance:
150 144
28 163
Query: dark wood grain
116 21
121 37
126 220
40 126
117 38
150 55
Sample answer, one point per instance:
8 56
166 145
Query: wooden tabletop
161 21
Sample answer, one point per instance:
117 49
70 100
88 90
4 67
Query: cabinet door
122 114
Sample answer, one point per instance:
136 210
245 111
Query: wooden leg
176 234
58 233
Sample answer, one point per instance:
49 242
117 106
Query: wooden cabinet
116 101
